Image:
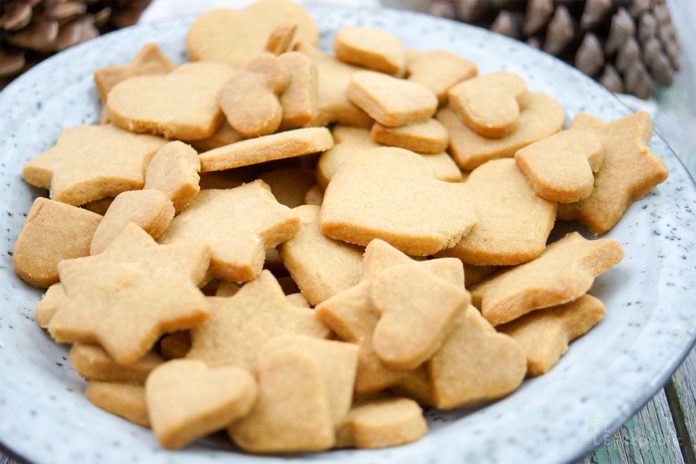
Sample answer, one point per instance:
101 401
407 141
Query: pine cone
31 30
627 45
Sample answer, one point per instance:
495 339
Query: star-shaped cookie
240 224
89 163
241 324
629 171
129 295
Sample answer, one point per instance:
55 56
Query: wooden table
664 430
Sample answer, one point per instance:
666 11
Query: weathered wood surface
681 393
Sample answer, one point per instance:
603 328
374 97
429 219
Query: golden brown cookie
149 60
560 167
149 209
424 137
348 142
475 364
145 103
391 101
383 423
187 400
490 104
292 413
370 48
93 363
320 266
106 294
314 196
541 117
48 305
174 171
439 70
225 135
332 103
124 400
211 34
563 272
260 307
175 345
628 172
390 193
52 232
249 99
289 144
513 223
300 101
281 37
544 335
416 310
239 224
89 163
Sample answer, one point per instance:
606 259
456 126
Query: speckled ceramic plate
604 377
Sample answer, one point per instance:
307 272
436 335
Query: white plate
605 376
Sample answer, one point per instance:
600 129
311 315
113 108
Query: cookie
296 299
475 274
239 225
390 101
416 311
439 70
443 166
174 171
187 400
225 135
475 364
289 144
292 413
338 361
300 101
351 316
332 103
369 196
490 104
542 116
241 324
149 60
628 172
348 142
175 345
423 137
52 232
289 185
212 32
249 99
133 273
383 423
121 399
145 103
513 223
314 196
90 163
49 304
93 363
544 335
149 209
281 37
560 167
320 266
370 48
563 273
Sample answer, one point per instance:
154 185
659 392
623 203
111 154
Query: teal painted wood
6 459
681 393
649 437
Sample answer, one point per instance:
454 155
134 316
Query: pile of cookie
305 249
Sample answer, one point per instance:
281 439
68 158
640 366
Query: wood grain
681 393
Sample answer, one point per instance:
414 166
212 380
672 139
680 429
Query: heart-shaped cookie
186 400
178 105
390 193
475 363
560 167
490 104
416 311
235 37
